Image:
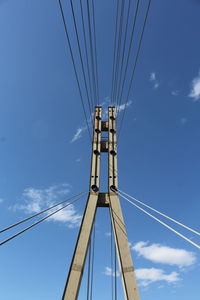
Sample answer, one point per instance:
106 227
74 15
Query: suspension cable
129 50
161 222
114 55
40 212
160 213
124 47
115 273
95 50
118 50
135 64
91 52
74 66
111 258
86 53
81 57
38 222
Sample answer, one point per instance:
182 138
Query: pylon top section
106 144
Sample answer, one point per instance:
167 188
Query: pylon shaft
96 199
78 260
119 228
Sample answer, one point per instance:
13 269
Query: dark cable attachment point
95 188
112 130
97 130
113 152
96 152
113 188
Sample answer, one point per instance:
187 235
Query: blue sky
45 150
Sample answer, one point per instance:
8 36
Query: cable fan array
89 73
130 22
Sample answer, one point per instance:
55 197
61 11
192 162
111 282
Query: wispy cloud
154 80
122 107
195 88
150 275
78 160
109 272
175 93
35 200
1 200
165 255
183 121
78 134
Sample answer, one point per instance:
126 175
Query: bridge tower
96 199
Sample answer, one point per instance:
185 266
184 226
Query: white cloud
153 76
195 88
35 200
78 134
109 272
175 93
165 255
183 121
104 105
154 80
1 200
67 215
122 107
119 108
148 276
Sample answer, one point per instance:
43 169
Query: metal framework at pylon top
97 199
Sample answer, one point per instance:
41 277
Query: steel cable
124 47
86 54
135 64
111 257
161 222
41 212
36 223
114 54
95 51
118 50
74 66
129 50
81 57
92 53
161 214
115 273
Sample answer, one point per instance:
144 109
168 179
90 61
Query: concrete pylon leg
109 200
78 261
119 228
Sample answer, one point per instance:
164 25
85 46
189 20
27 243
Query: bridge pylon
96 199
